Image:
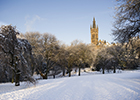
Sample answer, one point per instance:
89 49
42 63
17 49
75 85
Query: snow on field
120 86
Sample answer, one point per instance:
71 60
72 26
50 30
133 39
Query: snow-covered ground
89 86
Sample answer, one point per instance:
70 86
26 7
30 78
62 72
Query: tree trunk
32 69
64 71
79 70
13 76
103 70
46 76
114 70
54 74
43 76
69 73
12 65
17 83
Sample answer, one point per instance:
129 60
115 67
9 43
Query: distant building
94 33
94 36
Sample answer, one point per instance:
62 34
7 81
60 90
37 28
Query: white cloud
31 21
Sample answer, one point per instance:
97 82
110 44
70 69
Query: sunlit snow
89 86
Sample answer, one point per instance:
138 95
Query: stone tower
94 32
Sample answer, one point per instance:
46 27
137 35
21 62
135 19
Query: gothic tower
94 32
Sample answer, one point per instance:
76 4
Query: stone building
94 36
94 32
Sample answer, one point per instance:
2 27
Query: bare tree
116 53
70 59
127 24
83 54
50 47
34 39
102 60
62 57
132 53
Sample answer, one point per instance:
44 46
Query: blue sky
66 19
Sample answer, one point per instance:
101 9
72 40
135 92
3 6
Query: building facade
94 32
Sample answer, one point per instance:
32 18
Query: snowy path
124 86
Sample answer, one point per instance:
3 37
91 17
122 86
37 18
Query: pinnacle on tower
90 26
94 23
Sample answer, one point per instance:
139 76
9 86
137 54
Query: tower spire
94 32
94 23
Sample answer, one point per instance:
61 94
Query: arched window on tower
93 36
93 41
96 35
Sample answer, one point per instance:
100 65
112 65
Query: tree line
51 54
21 55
